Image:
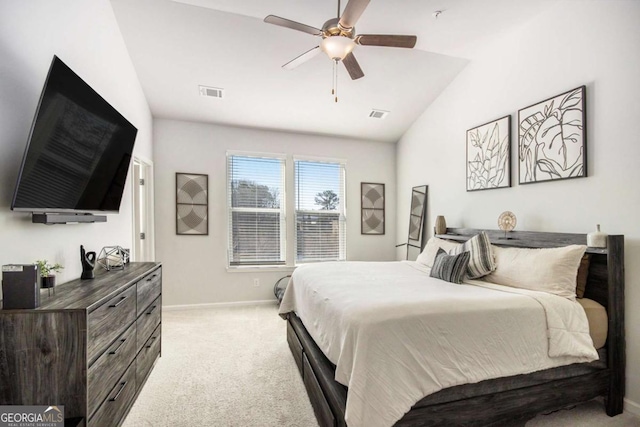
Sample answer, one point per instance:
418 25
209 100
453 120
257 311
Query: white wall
85 35
596 43
195 266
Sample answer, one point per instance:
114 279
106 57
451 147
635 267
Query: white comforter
396 335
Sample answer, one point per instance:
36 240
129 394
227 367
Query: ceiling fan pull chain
335 78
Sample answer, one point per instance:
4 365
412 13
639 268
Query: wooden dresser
89 347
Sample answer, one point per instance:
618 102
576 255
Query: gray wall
592 43
195 266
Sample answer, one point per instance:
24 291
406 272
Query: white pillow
550 270
428 255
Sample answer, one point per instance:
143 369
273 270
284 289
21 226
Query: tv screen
79 150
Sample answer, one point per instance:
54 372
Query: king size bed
380 344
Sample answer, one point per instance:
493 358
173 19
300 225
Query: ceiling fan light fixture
337 47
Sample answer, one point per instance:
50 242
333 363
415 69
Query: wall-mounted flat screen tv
79 150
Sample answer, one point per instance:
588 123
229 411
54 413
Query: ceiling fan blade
386 40
352 66
302 58
287 23
352 13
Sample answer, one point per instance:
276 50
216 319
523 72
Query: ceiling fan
339 38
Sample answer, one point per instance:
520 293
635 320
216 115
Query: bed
492 401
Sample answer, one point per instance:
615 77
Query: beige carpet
232 367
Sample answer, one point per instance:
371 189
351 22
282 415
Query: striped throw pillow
450 267
482 261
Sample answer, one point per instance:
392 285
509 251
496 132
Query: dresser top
88 294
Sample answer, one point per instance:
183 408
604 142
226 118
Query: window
320 211
255 192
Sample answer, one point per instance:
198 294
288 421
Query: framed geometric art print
552 138
372 208
192 204
489 155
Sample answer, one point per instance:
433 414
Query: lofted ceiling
177 45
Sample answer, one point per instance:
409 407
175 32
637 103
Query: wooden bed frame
501 401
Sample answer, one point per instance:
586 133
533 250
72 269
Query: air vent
213 92
378 114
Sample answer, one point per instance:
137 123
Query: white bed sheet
396 335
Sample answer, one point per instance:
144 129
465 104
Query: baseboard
218 305
632 407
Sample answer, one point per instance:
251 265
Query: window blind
255 200
320 211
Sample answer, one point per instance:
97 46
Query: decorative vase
441 225
597 239
48 282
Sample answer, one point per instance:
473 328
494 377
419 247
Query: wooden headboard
605 283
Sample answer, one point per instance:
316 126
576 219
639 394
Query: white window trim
343 213
282 210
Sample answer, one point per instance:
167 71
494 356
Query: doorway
143 235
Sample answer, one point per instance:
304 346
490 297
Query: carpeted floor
232 367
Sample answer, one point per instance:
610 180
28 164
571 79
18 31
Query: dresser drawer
148 355
109 320
148 320
109 367
117 402
149 287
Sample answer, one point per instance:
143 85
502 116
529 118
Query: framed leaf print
552 143
489 155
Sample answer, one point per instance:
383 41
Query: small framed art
372 208
192 204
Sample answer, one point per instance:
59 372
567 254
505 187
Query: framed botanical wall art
552 143
372 208
192 204
489 155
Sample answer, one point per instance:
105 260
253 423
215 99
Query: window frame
282 210
342 208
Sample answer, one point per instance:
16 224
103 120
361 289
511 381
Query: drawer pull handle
151 340
119 302
152 277
122 386
115 351
151 311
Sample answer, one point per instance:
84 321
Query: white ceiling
177 45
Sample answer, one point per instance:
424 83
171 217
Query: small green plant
47 269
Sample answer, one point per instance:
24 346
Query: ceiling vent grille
212 92
378 114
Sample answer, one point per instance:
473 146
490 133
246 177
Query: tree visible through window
320 213
328 200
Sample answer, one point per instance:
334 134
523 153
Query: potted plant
47 273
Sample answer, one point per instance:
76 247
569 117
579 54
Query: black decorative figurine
88 260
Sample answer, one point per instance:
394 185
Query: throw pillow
449 267
482 261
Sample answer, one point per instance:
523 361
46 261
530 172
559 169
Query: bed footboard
512 400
